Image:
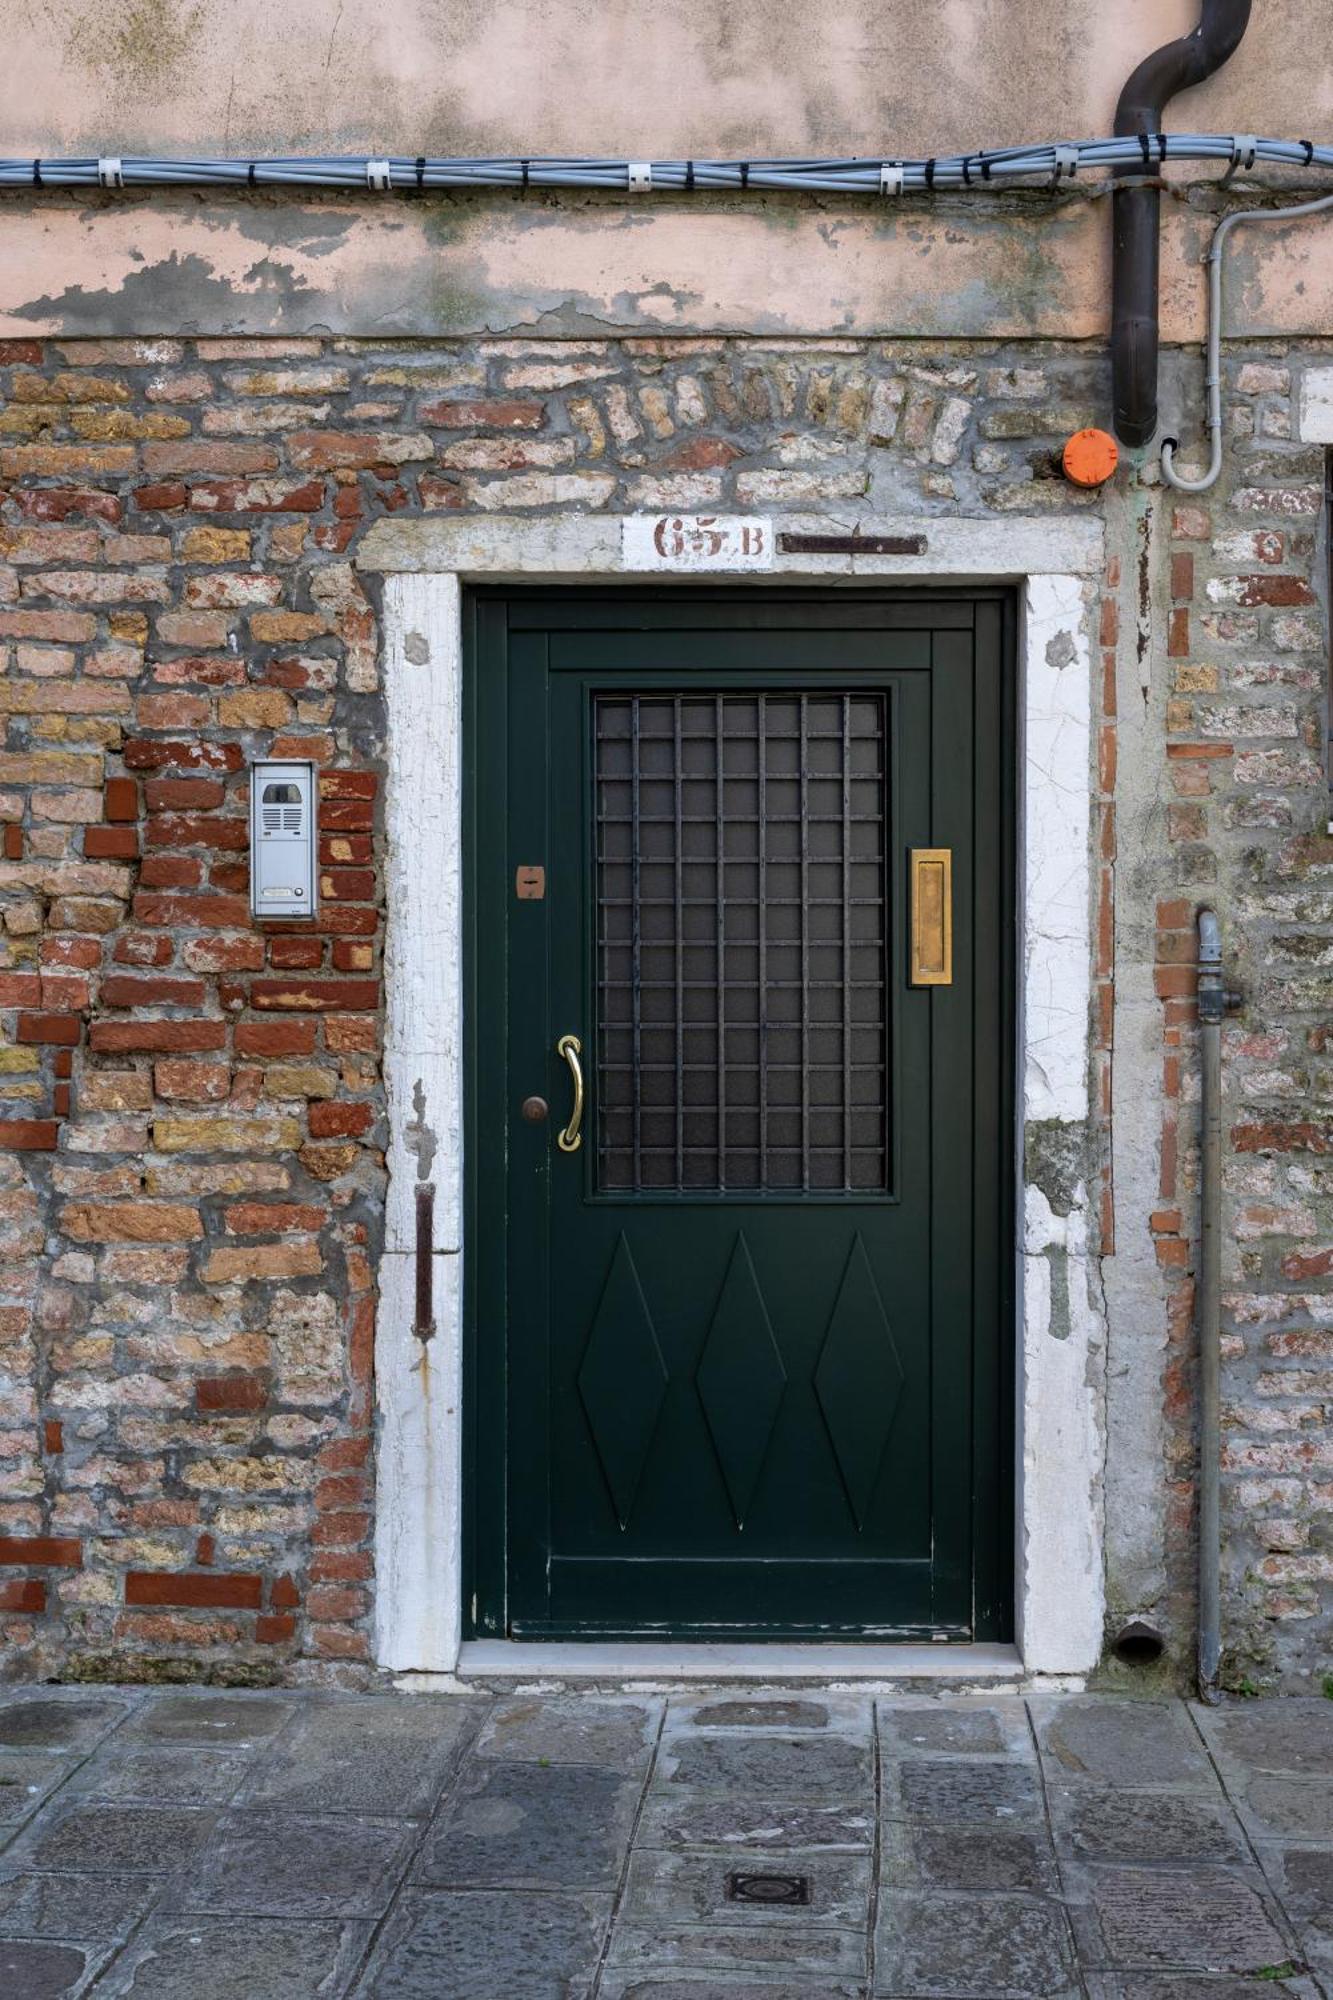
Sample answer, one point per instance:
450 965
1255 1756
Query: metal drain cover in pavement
770 1889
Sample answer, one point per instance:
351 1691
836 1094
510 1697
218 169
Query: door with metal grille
738 1299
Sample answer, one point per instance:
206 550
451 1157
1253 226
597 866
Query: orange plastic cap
1090 457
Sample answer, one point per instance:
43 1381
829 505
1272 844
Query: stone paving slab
971 1859
1274 1805
686 1985
297 1865
26 1778
84 1908
733 1947
1291 1735
478 1945
956 1729
962 1791
391 1758
533 1826
199 1844
572 1730
1093 1824
999 1947
771 1714
237 1958
760 1826
122 1771
1118 1742
206 1720
1199 1986
40 1971
1203 1918
82 1835
785 1766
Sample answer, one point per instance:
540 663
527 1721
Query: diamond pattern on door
859 1380
622 1381
740 1380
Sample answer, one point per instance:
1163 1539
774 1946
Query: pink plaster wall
627 78
623 76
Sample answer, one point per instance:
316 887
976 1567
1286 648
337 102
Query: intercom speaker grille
282 809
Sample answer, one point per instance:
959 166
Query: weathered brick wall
1246 808
193 1184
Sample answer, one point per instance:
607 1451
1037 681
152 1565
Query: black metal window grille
741 963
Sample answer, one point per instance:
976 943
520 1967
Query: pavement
194 1844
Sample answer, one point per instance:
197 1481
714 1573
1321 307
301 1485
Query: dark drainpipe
1136 210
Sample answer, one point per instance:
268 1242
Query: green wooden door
738 1365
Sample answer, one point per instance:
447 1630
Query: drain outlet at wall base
1138 1644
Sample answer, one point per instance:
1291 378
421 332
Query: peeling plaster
418 1136
1006 267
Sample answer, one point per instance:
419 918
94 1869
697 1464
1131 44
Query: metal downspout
1136 209
1212 1005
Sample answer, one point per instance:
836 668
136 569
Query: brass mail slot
932 916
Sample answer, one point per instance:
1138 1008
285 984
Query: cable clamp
640 176
890 180
1243 150
1066 164
110 173
379 176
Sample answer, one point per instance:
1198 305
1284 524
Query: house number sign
697 541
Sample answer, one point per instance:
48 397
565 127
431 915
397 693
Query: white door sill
657 1661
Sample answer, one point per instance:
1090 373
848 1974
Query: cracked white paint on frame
419 1446
1060 1594
1057 883
418 1384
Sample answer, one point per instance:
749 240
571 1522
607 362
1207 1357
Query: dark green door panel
740 1365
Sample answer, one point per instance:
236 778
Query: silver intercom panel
284 878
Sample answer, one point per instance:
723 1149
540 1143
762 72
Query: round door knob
534 1109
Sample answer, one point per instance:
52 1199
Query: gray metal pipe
1212 999
1182 482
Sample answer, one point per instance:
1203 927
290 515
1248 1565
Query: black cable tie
745 174
37 173
985 170
967 172
930 175
689 176
250 173
1309 150
421 171
1161 146
1147 150
524 165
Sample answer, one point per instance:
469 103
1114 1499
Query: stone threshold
652 1663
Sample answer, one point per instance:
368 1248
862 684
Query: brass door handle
571 1048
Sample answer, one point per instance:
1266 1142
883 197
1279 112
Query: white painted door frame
426 564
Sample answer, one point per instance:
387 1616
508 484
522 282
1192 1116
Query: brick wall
1246 809
191 1191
